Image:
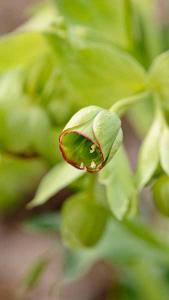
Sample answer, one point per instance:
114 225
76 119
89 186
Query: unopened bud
91 138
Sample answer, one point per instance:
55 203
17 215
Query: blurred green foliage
68 55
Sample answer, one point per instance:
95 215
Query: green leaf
120 189
96 71
57 178
34 275
148 31
151 283
149 155
141 116
41 18
107 17
19 49
164 150
83 221
159 76
123 244
14 94
48 222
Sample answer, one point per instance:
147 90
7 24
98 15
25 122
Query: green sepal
106 126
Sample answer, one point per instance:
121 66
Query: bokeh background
20 247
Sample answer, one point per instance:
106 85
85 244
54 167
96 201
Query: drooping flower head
91 138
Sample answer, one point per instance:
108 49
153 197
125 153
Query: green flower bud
161 194
91 138
83 221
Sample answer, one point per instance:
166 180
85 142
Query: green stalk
122 105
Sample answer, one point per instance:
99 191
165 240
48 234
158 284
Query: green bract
91 138
120 188
153 155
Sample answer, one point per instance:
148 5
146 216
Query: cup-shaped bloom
91 138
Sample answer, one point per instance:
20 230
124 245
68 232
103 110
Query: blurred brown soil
20 249
12 13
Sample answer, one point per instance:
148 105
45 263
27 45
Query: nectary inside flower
81 152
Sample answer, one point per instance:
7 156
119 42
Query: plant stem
91 186
122 105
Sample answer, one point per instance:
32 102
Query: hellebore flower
91 138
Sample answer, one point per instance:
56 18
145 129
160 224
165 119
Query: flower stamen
82 165
93 165
93 148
